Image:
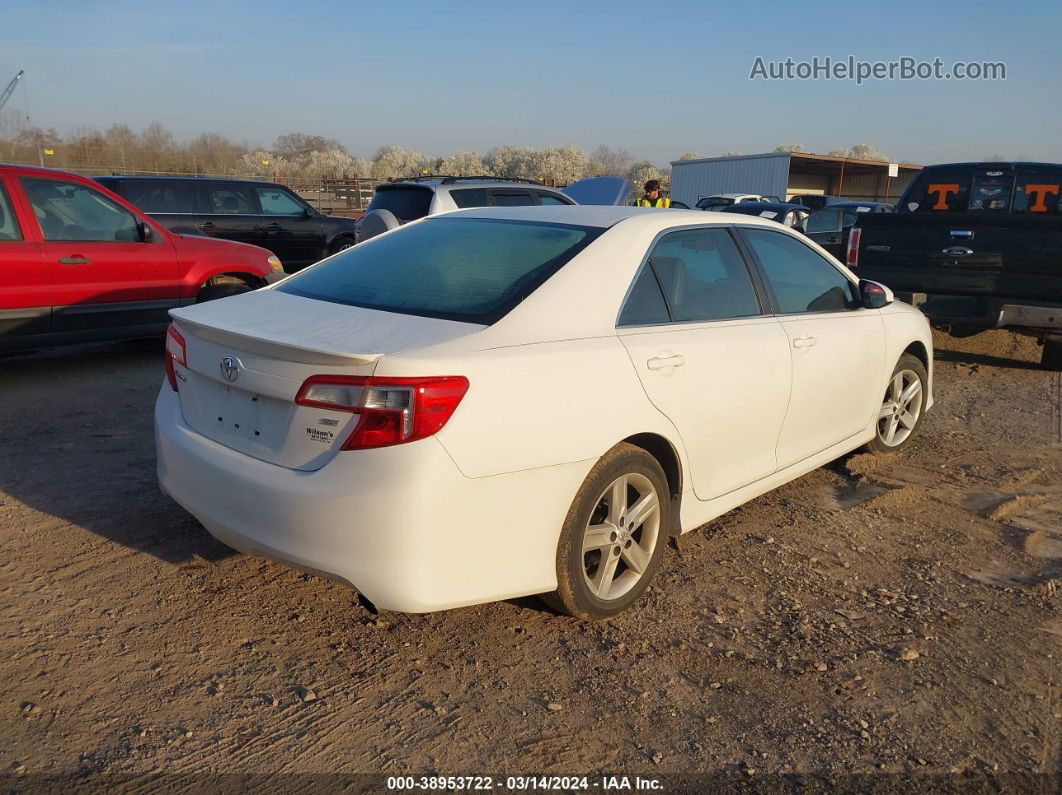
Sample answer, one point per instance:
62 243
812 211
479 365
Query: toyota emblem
230 369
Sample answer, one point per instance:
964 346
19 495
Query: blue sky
657 78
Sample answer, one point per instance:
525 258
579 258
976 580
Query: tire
1051 358
212 292
901 415
584 589
341 244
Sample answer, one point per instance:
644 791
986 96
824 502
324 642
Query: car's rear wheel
341 244
614 535
902 407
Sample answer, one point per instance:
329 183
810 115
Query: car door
291 228
102 273
824 227
229 210
25 299
709 356
836 345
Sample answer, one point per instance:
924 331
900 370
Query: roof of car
464 182
596 215
755 208
186 178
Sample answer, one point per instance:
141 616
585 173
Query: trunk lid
248 355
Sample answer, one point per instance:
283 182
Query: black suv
261 213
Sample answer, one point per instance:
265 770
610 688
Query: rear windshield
713 202
407 202
469 269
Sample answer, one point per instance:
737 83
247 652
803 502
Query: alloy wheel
901 408
620 537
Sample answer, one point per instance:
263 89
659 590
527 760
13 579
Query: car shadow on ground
962 357
77 445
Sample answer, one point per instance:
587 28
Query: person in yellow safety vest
652 197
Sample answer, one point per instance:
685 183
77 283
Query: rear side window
469 269
801 279
938 191
645 304
470 197
703 276
155 197
230 201
512 198
1038 193
8 224
407 202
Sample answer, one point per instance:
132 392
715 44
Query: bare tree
609 162
296 143
790 148
690 156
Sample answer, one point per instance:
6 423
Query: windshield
469 269
407 202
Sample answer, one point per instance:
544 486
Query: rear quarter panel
541 404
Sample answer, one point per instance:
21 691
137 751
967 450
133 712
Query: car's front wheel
902 407
614 535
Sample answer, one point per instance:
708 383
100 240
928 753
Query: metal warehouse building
785 174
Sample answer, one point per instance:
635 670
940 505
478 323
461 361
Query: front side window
824 221
70 211
703 276
551 199
801 279
468 269
230 201
8 225
275 201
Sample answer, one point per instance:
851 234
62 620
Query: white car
498 402
401 201
717 201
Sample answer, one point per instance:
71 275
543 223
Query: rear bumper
985 312
402 525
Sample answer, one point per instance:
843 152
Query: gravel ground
877 616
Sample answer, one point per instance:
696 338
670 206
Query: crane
6 95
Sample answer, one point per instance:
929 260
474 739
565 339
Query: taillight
851 257
393 410
175 352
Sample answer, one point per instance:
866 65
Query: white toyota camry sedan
499 402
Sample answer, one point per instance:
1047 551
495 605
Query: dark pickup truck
975 246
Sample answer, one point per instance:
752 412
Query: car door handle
804 342
833 239
206 225
77 259
660 362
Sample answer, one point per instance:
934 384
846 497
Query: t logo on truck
943 190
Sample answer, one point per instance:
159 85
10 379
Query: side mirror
875 295
308 212
147 232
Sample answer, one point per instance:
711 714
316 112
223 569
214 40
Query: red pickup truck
78 263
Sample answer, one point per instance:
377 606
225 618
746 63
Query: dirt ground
893 616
